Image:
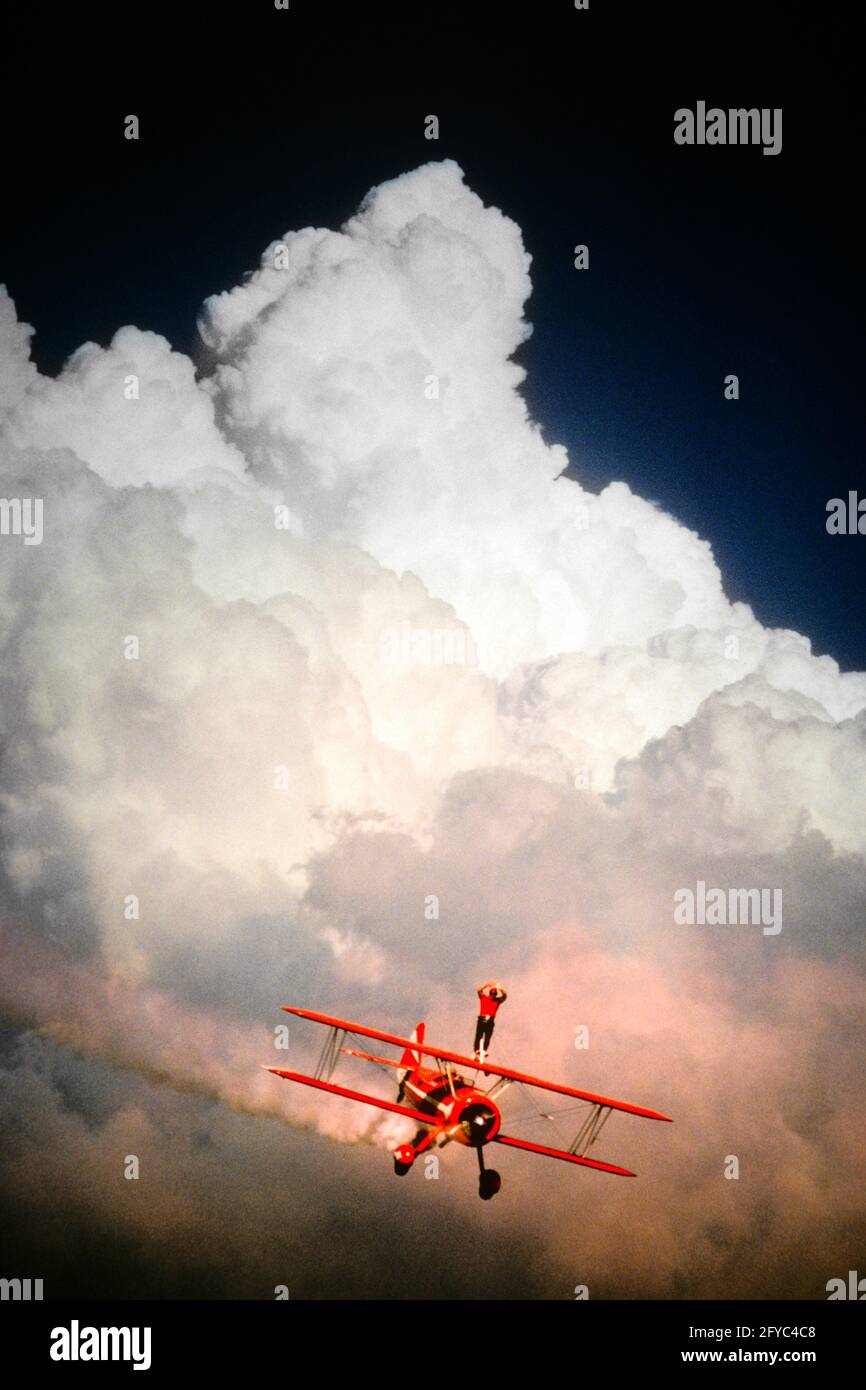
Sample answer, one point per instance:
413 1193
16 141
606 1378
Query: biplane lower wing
486 1067
566 1157
406 1110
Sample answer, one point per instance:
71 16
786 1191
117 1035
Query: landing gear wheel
404 1157
489 1184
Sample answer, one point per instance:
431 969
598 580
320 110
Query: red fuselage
457 1110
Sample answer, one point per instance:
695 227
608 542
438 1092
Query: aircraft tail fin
410 1058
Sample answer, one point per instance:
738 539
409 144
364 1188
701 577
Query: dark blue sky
703 261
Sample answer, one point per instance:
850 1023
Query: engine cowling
478 1121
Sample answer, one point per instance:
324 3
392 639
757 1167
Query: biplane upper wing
561 1153
487 1068
354 1095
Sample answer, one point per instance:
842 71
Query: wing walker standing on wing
490 996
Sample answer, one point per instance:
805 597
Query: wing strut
330 1054
590 1130
501 1084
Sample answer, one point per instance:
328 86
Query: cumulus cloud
326 632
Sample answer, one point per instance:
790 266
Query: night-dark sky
703 261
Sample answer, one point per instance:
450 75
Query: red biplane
448 1107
